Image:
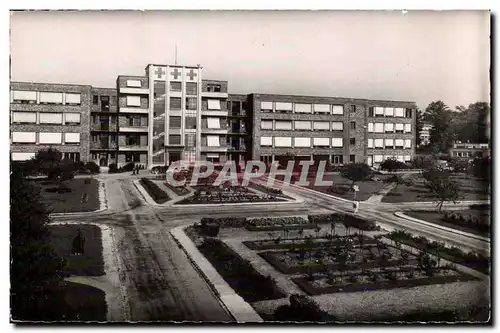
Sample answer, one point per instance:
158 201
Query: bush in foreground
301 308
158 195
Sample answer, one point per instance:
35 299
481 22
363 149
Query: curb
437 226
145 194
103 203
234 304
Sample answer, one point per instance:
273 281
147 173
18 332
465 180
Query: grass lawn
84 303
366 188
88 264
471 188
437 218
71 201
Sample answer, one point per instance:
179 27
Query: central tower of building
174 113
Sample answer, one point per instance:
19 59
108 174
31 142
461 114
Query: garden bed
327 285
278 223
179 190
206 195
297 243
277 192
472 260
90 263
156 193
472 221
84 303
83 195
239 273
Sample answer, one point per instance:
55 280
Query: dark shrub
128 167
391 165
79 166
211 229
360 223
226 222
301 308
93 167
87 181
322 218
113 168
154 191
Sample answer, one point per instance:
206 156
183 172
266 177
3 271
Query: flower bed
158 195
225 222
473 260
278 223
269 190
375 280
347 220
315 243
239 273
179 190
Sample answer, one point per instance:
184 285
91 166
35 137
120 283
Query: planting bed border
318 268
306 286
473 264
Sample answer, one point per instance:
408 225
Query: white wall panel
22 95
281 141
22 156
266 105
24 137
322 108
51 97
321 142
72 118
72 137
50 138
389 112
213 104
24 117
266 141
72 98
213 141
283 125
337 109
399 112
302 142
213 122
133 100
337 142
51 118
134 83
283 106
322 125
337 126
266 124
303 108
302 125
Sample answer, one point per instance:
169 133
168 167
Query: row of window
45 138
333 109
46 118
389 143
302 125
381 158
269 141
42 97
191 103
462 154
72 156
389 128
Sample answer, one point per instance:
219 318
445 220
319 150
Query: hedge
225 222
158 195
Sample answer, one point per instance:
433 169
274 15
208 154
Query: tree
356 172
47 160
445 189
471 123
419 123
481 168
441 134
458 165
392 164
36 272
398 180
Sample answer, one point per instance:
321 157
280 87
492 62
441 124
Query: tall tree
441 134
445 189
419 123
36 272
356 172
471 124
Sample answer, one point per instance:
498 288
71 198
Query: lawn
90 263
483 217
82 197
84 303
366 188
471 188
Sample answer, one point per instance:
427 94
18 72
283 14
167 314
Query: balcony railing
132 147
103 145
103 127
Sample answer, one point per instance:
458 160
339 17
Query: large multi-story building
173 113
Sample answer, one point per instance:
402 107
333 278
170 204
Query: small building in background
468 150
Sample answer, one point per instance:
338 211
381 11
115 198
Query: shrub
322 218
87 181
211 229
113 168
128 167
360 223
154 191
391 165
93 167
276 221
225 222
301 308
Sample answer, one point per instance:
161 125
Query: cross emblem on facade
176 73
191 74
159 72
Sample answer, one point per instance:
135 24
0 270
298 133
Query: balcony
104 127
134 129
236 131
222 130
219 149
103 145
214 94
241 113
133 148
214 113
235 148
134 110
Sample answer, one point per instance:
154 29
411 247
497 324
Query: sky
419 56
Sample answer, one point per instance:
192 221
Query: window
213 123
266 141
214 87
175 86
24 117
190 140
283 107
408 113
321 125
353 125
73 99
338 159
337 142
28 97
352 158
371 112
389 143
191 103
112 120
190 122
379 111
389 112
213 141
174 139
352 141
191 88
370 143
74 157
51 118
132 157
302 142
50 138
174 122
51 98
399 143
378 158
133 140
321 108
95 99
379 143
337 126
389 128
134 120
321 142
370 127
112 138
353 108
105 103
400 128
72 138
282 141
399 112
134 83
213 104
72 118
303 108
407 158
408 143
378 128
266 106
302 125
23 137
266 124
338 109
407 128
175 103
131 101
